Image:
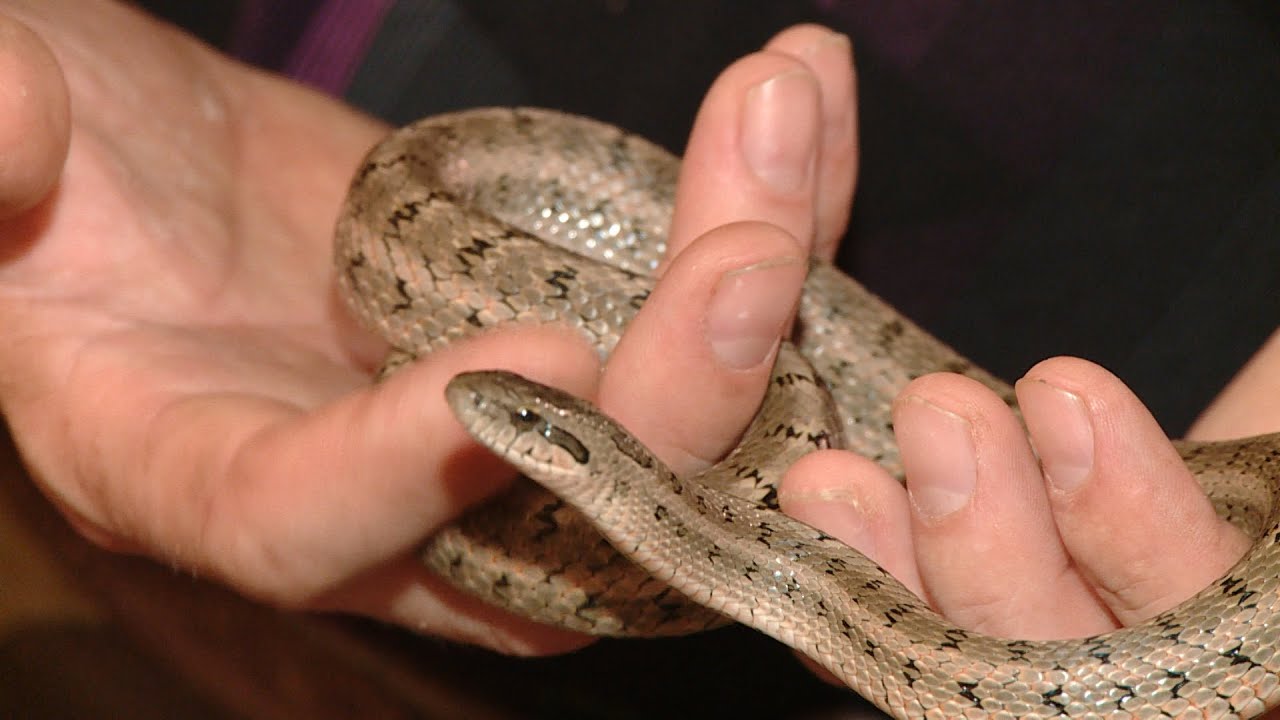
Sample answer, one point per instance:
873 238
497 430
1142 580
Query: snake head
535 427
563 442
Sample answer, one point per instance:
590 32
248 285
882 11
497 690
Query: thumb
35 119
306 502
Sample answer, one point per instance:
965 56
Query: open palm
183 381
181 377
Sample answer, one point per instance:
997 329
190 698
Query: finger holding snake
1112 534
788 158
704 339
1139 526
996 562
1021 556
769 160
725 295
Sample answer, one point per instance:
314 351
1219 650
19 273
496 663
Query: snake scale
463 222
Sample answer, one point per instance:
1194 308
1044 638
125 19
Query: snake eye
525 419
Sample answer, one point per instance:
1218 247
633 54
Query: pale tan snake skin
436 242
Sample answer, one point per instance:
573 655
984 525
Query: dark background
1089 178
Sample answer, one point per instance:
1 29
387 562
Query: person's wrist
1248 405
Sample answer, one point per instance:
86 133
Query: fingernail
938 455
837 512
833 39
830 58
780 129
750 308
1061 432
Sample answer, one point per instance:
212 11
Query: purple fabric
266 31
1009 70
334 42
318 42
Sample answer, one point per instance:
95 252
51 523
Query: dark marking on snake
568 442
560 279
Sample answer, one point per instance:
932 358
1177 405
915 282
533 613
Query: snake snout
464 395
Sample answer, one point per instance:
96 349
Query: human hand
178 374
182 382
1022 556
982 532
1113 530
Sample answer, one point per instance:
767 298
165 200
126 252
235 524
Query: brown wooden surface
87 633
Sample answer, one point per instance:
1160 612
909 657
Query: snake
466 222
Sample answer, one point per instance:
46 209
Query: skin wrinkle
63 426
226 525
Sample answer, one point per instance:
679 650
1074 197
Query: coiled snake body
438 241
